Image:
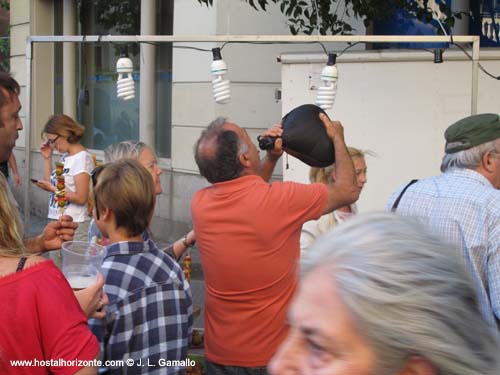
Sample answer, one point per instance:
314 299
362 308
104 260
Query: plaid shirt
464 207
149 316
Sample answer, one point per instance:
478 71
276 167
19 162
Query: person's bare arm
343 190
272 156
179 246
46 152
93 299
53 235
15 171
81 195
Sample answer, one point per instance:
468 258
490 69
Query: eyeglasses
52 141
93 175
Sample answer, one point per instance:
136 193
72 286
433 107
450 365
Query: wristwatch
185 242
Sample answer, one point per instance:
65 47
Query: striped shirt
464 208
149 316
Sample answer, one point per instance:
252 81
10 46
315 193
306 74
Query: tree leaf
303 16
263 4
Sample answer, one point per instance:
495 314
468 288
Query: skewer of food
60 194
186 266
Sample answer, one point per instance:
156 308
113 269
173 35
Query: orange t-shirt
248 234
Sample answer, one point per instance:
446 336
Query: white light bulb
327 92
221 87
125 88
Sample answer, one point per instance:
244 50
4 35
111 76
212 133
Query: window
107 119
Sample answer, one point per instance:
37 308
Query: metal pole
27 134
147 100
255 38
69 59
475 75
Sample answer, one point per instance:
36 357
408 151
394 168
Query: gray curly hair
123 150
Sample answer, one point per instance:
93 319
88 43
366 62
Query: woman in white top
63 133
315 228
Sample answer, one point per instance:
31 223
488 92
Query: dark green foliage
118 17
327 17
5 43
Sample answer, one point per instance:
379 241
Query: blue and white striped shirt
462 206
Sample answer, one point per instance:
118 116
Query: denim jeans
216 369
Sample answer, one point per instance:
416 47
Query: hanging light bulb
328 91
125 84
222 91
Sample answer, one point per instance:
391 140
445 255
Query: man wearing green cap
463 203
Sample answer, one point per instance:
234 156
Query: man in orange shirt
248 234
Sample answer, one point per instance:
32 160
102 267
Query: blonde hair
64 126
11 230
324 175
127 189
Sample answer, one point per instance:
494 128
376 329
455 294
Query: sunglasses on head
93 175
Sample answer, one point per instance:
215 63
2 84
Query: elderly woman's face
323 337
148 159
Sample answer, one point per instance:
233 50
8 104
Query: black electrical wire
322 46
347 48
194 48
180 47
246 42
479 64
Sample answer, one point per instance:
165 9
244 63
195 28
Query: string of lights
221 85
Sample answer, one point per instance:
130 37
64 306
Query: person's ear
489 161
107 215
245 160
417 365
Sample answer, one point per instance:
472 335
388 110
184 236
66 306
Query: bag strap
20 265
396 202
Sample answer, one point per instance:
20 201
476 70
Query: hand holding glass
81 263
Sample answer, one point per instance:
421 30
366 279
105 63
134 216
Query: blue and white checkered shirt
464 207
149 316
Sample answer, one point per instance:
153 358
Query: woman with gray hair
141 152
381 295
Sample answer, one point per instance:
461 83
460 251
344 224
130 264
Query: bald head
217 151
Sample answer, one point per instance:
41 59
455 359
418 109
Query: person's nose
19 125
159 171
362 178
286 361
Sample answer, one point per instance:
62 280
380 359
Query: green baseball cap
472 131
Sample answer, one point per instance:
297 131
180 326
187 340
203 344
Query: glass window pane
107 119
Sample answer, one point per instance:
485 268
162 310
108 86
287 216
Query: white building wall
397 109
254 72
19 30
